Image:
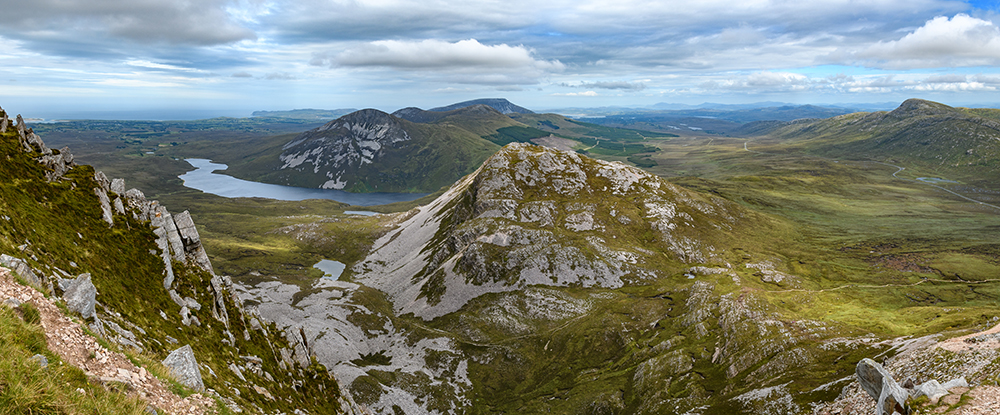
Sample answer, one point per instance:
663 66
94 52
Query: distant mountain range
499 104
956 142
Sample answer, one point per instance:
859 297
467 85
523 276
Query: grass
26 387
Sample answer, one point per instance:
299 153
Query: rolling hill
957 143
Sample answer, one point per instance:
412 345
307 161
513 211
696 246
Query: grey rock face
184 367
58 164
80 295
102 180
880 385
106 213
118 186
192 241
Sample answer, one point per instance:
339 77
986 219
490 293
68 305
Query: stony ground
970 356
66 338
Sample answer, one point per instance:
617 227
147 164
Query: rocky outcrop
21 268
536 216
880 385
184 367
80 295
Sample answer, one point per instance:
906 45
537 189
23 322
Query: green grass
27 388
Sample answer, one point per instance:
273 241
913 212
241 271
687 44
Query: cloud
621 85
577 94
941 42
436 54
279 76
242 75
764 81
160 66
190 22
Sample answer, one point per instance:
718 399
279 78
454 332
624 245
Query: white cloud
941 42
578 94
155 65
437 54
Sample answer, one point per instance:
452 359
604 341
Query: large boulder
184 367
880 385
80 295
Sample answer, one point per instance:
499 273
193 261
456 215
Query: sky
195 58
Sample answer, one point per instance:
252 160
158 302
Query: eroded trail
66 338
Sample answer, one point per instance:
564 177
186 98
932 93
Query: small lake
331 268
204 178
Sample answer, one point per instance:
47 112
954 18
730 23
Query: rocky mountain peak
343 145
917 107
537 216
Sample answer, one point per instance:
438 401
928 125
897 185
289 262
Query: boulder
80 295
184 367
934 390
880 385
21 268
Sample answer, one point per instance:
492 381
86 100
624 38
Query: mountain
534 216
370 151
499 104
959 143
549 272
141 289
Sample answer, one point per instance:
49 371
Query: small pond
331 268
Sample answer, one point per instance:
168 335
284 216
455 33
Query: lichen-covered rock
184 367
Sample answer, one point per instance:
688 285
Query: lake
203 178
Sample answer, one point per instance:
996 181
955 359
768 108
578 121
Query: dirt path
66 339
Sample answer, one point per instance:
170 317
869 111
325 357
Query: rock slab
184 367
880 385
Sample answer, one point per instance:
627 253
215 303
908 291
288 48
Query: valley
744 271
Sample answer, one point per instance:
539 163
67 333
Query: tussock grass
27 388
